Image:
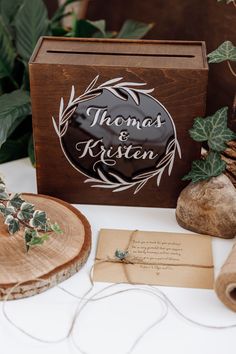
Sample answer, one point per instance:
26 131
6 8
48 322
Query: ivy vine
18 214
214 131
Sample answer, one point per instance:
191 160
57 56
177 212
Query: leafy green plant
19 214
22 22
225 52
214 131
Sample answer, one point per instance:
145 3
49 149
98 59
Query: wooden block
121 142
56 260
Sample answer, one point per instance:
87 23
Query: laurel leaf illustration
92 180
121 84
120 90
112 81
68 115
144 175
145 91
72 95
140 186
55 126
178 149
119 179
86 98
123 188
165 159
64 130
115 93
92 84
105 185
170 145
133 94
160 175
61 107
170 166
103 177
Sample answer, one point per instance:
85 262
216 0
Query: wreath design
117 88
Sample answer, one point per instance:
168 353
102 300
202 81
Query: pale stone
208 207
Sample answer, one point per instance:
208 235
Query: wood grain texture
181 90
206 20
56 260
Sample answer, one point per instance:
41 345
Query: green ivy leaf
219 133
13 224
16 201
214 130
201 170
200 130
39 220
121 255
26 211
6 210
31 22
14 107
8 54
226 51
2 187
36 241
32 238
9 210
4 196
134 29
28 236
2 209
56 228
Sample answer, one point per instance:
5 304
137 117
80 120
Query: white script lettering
96 148
100 117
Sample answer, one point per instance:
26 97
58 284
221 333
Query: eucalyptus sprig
18 214
215 132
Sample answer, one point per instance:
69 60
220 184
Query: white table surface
111 325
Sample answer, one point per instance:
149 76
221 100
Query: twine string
87 298
20 329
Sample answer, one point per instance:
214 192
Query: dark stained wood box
111 118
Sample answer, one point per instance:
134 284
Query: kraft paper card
155 258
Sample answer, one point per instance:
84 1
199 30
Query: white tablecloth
111 325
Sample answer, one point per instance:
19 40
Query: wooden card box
111 118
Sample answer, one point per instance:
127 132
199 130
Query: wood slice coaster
56 260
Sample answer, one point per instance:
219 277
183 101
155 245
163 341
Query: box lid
117 52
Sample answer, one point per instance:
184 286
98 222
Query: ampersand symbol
124 135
